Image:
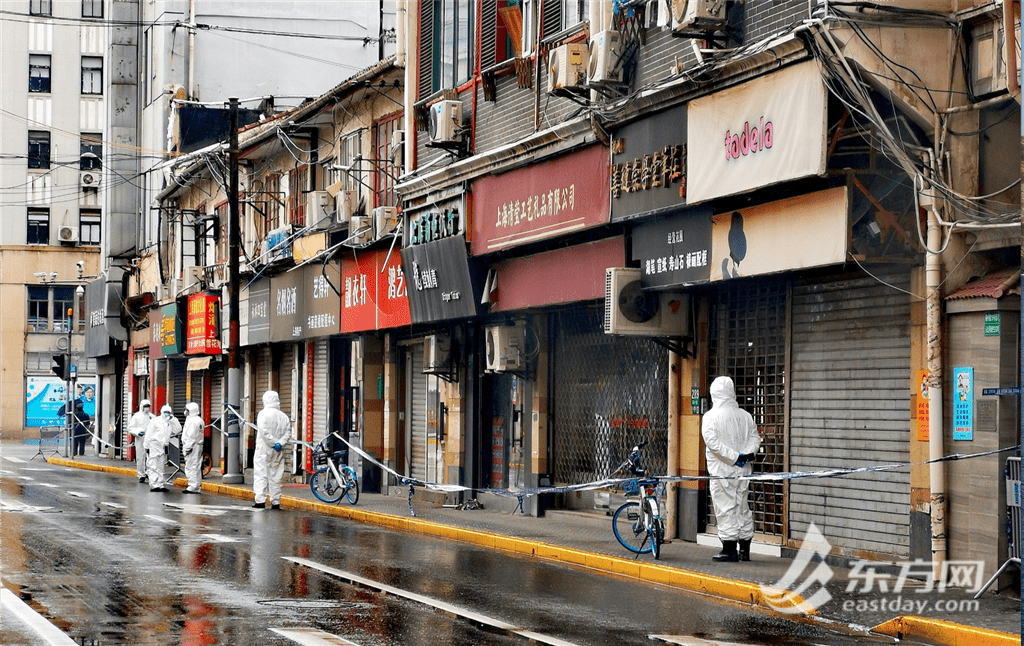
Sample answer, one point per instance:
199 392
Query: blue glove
142 433
277 447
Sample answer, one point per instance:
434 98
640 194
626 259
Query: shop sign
156 348
674 250
202 328
97 340
374 292
796 233
765 131
434 225
963 403
170 330
648 171
256 304
541 201
440 282
991 323
322 299
920 399
286 312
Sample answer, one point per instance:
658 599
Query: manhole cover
311 604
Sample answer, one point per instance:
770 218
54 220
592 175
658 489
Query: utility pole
232 474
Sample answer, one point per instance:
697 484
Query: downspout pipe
191 49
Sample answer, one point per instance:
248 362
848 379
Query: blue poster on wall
963 403
44 397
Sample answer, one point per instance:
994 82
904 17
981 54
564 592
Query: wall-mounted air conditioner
319 208
697 15
345 205
631 310
385 220
567 67
445 126
506 347
89 179
605 52
360 230
68 234
277 245
436 353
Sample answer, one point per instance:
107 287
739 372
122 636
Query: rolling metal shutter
218 440
196 382
417 414
181 376
610 393
262 377
285 378
126 409
850 407
321 388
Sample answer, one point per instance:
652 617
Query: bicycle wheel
627 523
207 464
655 530
326 487
351 485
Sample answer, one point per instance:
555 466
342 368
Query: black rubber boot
744 549
728 553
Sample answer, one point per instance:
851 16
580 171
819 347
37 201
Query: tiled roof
994 285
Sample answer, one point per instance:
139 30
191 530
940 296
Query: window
447 54
350 155
89 226
38 227
92 8
272 195
38 308
63 301
387 172
92 151
220 231
297 181
92 75
38 73
38 149
40 7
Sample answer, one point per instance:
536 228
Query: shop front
254 337
204 367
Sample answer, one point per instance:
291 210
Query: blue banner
963 403
44 397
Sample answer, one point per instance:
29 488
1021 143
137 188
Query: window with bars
38 231
40 7
92 151
387 172
92 8
38 149
92 75
298 179
350 157
89 226
38 73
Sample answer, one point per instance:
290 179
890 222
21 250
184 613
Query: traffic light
60 367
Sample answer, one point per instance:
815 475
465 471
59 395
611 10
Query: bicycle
638 525
332 479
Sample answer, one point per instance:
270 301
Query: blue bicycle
332 478
637 524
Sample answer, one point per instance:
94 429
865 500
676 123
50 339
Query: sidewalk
586 539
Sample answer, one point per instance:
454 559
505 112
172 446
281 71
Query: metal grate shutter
321 389
610 392
488 34
747 342
551 21
126 408
285 378
196 381
850 406
180 386
426 48
417 414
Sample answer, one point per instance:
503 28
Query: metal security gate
321 389
180 386
610 393
850 407
417 407
747 341
196 387
285 379
261 377
218 441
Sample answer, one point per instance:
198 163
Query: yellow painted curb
946 633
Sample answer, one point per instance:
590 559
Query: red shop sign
201 329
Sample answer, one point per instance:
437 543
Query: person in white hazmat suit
731 441
272 431
137 426
158 435
192 447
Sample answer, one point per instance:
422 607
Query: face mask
167 415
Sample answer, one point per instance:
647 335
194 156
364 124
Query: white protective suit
192 446
158 435
729 432
137 426
272 427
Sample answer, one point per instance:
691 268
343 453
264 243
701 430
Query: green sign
991 323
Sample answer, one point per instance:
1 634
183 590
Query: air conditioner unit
605 52
697 15
631 310
506 345
436 353
277 246
446 122
68 234
318 209
345 205
567 67
397 149
360 230
385 220
89 179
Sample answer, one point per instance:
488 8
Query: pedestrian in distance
137 426
731 443
79 428
272 430
158 435
192 447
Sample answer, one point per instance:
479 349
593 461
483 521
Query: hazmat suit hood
144 403
271 399
192 409
166 409
723 392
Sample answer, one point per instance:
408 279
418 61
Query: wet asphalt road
109 562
